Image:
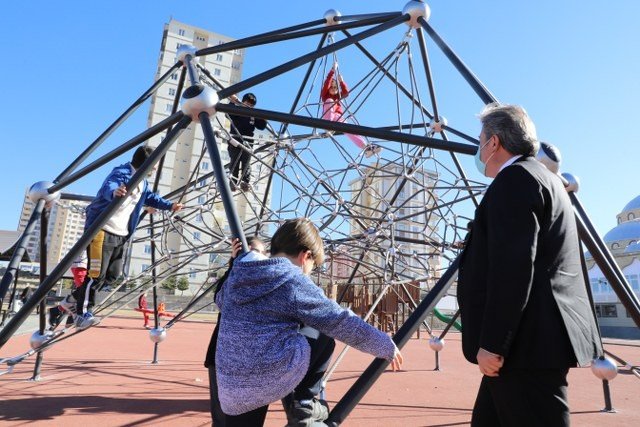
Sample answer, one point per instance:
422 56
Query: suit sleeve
513 216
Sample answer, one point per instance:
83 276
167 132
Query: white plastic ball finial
185 50
416 9
549 155
604 369
197 99
437 125
436 344
573 183
39 191
330 16
38 340
157 335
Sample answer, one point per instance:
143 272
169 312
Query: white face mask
482 166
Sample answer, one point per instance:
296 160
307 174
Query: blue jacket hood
252 280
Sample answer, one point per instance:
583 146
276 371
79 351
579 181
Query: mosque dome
632 205
633 247
628 230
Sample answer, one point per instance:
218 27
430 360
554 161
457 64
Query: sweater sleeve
156 201
324 94
111 183
344 90
314 309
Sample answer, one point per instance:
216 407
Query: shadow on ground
49 408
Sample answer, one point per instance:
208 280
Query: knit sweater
261 356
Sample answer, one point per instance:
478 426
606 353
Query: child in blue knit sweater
274 340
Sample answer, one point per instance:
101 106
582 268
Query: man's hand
489 363
397 360
150 210
176 207
120 191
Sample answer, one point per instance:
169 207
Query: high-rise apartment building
65 227
188 156
409 221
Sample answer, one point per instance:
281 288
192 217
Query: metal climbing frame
318 190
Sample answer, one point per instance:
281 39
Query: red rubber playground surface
103 377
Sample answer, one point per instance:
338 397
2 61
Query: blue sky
71 68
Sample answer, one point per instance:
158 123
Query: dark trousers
239 158
522 398
217 416
104 265
321 350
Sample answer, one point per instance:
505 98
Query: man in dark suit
524 305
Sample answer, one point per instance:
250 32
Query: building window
217 72
181 32
219 57
147 249
174 76
202 183
196 235
168 108
633 281
606 310
192 273
200 200
145 267
205 166
199 218
172 91
236 65
200 37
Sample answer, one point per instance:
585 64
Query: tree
183 284
171 283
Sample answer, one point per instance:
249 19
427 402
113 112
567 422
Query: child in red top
331 96
68 305
142 305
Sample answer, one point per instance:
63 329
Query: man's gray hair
513 127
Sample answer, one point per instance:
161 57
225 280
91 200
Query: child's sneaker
86 320
305 413
246 186
371 149
69 305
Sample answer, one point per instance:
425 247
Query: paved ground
103 377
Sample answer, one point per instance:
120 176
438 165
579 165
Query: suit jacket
521 288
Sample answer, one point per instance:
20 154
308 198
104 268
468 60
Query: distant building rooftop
624 231
8 239
632 205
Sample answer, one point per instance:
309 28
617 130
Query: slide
447 319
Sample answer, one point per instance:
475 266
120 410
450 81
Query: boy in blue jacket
106 250
263 352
